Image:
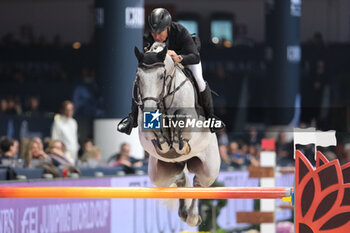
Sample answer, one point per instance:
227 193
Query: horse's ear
138 54
161 55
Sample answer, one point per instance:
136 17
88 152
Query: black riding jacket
179 40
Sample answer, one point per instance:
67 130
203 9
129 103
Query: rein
160 100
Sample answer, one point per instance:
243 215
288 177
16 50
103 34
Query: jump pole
147 192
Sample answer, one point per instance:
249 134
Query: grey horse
162 86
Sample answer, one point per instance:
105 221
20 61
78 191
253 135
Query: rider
181 49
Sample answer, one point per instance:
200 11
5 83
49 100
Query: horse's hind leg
206 171
193 217
207 167
183 181
164 174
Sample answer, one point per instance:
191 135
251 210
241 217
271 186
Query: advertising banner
56 215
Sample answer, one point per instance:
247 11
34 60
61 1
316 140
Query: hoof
183 214
194 221
182 210
161 147
188 149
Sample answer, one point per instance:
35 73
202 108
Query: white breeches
197 73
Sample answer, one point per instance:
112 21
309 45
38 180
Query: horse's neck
169 65
173 70
174 78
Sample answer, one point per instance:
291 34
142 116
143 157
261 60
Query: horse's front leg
161 142
180 144
181 135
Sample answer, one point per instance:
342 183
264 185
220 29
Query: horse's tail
171 204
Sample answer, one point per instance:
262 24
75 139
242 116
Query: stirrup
213 129
128 125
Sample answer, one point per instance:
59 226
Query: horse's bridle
160 99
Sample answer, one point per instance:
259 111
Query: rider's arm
189 51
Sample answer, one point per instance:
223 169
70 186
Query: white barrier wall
109 139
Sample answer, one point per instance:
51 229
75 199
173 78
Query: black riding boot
207 102
129 122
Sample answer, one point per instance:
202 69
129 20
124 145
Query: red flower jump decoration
322 195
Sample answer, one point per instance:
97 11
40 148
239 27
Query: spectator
3 106
222 137
240 158
9 40
39 141
8 151
36 157
16 149
253 137
86 95
223 154
232 150
317 41
55 151
13 106
87 145
92 157
347 152
124 149
124 159
65 129
34 151
33 106
253 155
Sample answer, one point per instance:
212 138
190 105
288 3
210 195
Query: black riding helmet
159 20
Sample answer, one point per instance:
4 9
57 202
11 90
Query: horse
162 86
